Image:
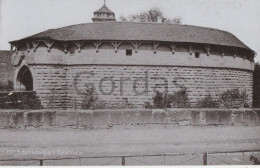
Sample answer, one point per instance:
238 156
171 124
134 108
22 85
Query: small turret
104 14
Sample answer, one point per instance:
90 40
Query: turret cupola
104 14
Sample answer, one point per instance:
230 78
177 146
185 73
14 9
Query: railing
243 158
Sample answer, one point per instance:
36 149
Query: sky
22 18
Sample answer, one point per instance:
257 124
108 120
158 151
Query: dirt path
72 142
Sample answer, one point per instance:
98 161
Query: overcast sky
21 18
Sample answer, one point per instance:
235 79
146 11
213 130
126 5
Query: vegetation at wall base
19 100
207 102
234 98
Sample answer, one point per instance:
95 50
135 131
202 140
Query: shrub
255 160
20 100
179 99
124 104
234 98
148 105
158 100
91 102
207 102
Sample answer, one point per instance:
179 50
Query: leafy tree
256 86
152 15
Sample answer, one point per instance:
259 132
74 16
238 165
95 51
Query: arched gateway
24 80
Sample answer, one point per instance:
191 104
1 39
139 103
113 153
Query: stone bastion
124 60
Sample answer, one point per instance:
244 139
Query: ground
74 143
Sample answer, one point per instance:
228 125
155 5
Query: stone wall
56 87
128 118
54 72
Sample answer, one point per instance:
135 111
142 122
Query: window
128 52
197 54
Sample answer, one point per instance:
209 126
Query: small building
127 60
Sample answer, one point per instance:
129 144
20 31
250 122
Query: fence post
123 161
41 162
205 159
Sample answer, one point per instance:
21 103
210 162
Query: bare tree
152 15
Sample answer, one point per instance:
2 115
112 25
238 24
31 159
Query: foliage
234 98
122 105
207 102
148 105
256 85
152 15
20 100
255 160
91 102
7 87
178 99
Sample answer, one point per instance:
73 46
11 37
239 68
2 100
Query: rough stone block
49 118
145 116
224 117
17 119
211 117
85 118
5 120
34 118
101 118
66 118
116 117
220 116
159 116
257 111
130 117
195 118
250 117
177 115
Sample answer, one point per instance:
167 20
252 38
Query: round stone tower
126 60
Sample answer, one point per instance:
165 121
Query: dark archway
24 79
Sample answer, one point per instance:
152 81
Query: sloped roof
125 31
104 9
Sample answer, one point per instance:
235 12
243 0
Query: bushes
179 99
207 102
20 100
234 99
91 102
229 99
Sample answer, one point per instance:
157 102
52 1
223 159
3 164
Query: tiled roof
104 9
130 31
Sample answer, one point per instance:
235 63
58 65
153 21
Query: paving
140 145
